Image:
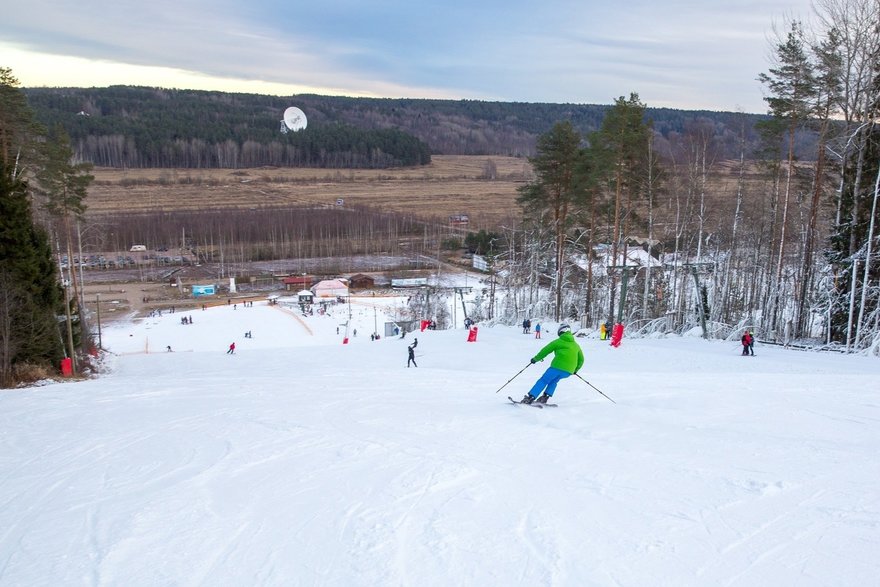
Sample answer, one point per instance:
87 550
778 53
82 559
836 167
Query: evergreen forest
153 127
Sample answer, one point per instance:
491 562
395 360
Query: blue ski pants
547 382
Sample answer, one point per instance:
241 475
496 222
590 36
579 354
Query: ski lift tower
624 271
696 269
617 327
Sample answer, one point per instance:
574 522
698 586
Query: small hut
305 299
361 281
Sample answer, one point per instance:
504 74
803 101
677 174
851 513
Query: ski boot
543 398
527 399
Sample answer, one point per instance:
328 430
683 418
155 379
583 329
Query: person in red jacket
747 343
231 350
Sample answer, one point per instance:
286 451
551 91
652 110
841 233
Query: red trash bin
66 366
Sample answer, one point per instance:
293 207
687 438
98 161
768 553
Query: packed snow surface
299 460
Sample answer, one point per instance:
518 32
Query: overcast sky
689 54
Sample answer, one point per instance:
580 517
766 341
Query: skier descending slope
568 358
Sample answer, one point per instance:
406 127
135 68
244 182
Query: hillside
150 127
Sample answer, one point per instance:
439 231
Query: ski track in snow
302 461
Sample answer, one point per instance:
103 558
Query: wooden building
298 282
361 281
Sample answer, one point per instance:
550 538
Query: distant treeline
124 126
145 127
260 234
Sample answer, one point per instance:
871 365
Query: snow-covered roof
637 256
330 287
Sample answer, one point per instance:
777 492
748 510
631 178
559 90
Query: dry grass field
449 185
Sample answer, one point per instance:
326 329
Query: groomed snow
302 461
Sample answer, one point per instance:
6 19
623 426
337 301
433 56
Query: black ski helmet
563 328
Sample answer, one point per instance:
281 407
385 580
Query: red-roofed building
298 282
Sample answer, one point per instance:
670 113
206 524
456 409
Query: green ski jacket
568 355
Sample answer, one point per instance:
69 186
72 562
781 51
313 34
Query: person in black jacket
412 355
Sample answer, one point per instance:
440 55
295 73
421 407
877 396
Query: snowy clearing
302 461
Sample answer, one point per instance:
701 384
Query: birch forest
624 225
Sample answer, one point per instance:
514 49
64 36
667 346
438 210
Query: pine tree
17 129
29 293
64 187
549 199
791 87
620 151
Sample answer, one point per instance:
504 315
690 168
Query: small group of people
245 303
186 320
748 343
527 327
248 334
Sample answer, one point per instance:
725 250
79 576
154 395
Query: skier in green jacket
568 358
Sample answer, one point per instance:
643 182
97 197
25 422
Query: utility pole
348 324
98 304
70 329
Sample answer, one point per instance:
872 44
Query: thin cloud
680 54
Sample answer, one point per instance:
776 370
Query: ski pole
514 377
594 387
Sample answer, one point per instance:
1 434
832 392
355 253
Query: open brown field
449 185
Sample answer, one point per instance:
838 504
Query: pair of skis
533 404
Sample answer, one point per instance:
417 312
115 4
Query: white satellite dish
294 119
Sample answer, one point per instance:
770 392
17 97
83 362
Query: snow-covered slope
302 461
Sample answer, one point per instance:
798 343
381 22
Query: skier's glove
532 361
